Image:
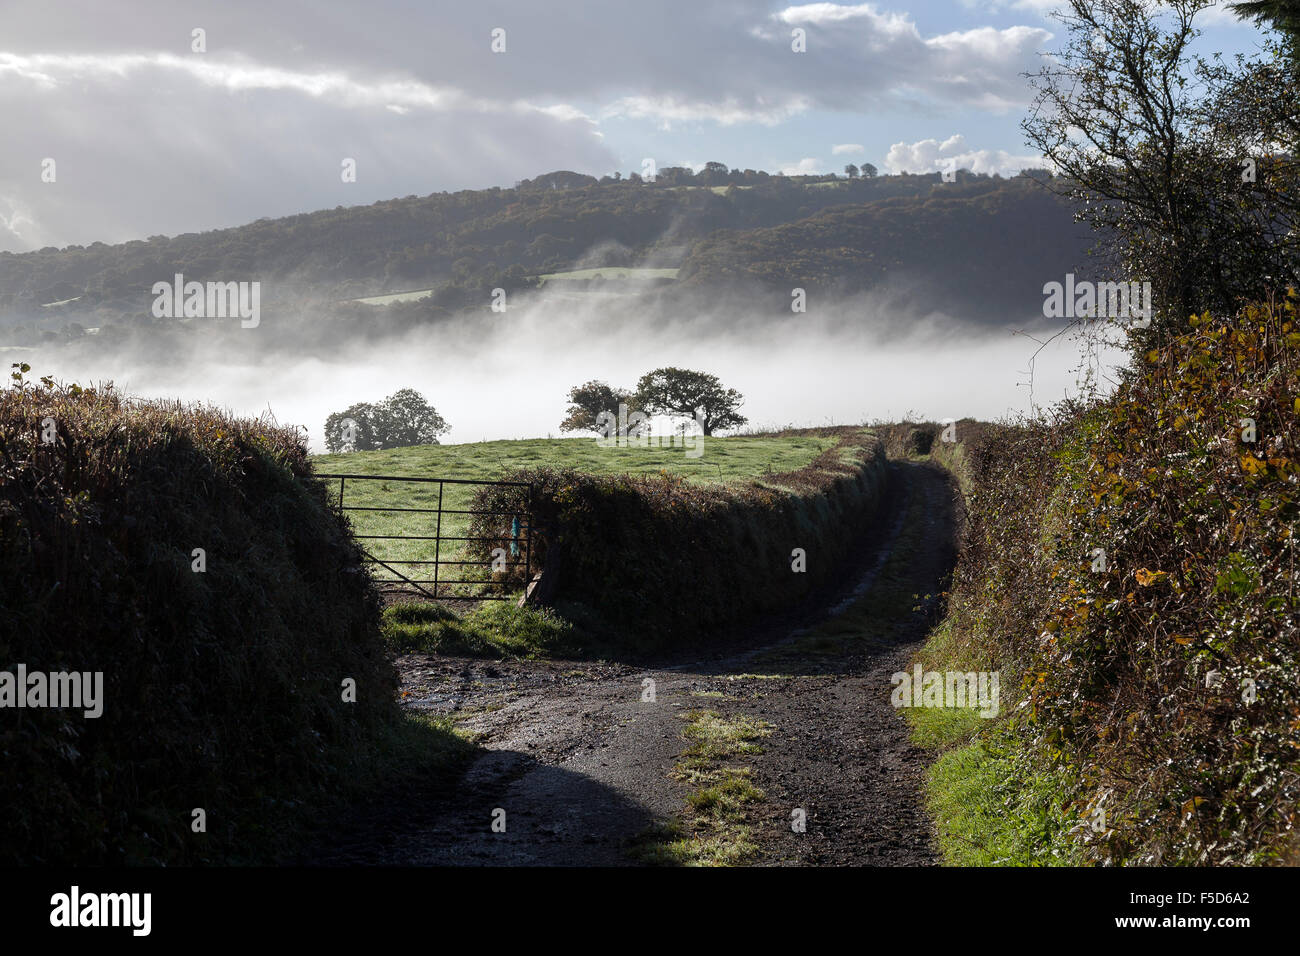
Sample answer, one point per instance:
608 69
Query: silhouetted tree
679 391
402 419
588 401
1156 161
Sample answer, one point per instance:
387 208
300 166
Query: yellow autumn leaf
1252 465
1146 577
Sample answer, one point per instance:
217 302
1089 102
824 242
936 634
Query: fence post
528 542
437 543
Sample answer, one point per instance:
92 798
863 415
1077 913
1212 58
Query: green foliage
588 402
994 807
699 395
1132 564
1197 514
497 629
222 689
1281 15
664 562
402 419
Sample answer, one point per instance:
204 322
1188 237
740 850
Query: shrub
222 689
1181 656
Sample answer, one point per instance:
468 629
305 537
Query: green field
724 460
717 190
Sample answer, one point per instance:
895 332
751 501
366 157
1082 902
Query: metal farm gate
441 549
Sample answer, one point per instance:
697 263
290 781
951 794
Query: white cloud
257 125
931 155
219 141
846 149
805 167
668 110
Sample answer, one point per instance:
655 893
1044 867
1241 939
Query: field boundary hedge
667 561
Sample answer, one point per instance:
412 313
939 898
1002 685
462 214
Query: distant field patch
736 458
611 273
392 297
718 190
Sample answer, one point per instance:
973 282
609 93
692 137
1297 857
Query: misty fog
502 375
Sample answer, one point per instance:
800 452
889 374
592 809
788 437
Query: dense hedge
1130 566
222 689
1171 676
666 561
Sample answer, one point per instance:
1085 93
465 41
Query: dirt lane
580 762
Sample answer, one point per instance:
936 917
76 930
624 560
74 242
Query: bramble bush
1171 676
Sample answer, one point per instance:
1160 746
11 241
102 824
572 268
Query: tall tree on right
1172 157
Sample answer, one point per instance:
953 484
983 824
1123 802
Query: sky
153 128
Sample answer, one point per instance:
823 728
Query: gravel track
580 763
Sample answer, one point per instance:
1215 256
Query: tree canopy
403 418
587 402
699 395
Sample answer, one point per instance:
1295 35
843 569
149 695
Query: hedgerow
1130 566
223 688
669 561
1168 668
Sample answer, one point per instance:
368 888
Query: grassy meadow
731 460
